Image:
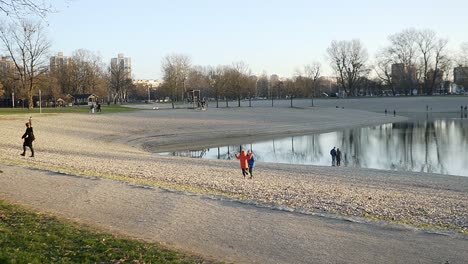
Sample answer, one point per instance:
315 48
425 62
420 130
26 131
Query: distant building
125 63
151 83
460 75
58 61
449 87
404 77
6 64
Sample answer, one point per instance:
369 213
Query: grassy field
28 237
113 108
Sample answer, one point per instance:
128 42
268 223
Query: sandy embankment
109 145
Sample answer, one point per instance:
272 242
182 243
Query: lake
435 146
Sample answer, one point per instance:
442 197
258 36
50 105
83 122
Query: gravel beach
121 145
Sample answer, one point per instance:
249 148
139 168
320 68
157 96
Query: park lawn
28 237
113 108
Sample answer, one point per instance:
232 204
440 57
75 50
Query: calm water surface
439 146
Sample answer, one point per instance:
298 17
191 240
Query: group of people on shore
336 156
93 106
247 162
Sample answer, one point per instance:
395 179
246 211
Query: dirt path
221 229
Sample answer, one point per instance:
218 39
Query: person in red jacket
243 158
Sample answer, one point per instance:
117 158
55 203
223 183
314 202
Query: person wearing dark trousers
243 158
251 162
28 137
333 155
338 157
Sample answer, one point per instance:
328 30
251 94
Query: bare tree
237 81
432 54
28 46
383 69
462 62
463 55
348 59
175 69
1 89
86 72
217 81
21 8
262 85
119 82
312 72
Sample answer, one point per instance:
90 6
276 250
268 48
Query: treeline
413 61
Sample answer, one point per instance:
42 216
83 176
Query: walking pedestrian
338 157
333 155
251 162
28 137
243 158
98 107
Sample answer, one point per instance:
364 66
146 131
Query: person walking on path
333 154
98 107
338 157
251 163
243 158
28 137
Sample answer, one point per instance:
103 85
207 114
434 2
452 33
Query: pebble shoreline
113 144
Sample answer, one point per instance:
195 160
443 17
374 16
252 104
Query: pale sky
272 36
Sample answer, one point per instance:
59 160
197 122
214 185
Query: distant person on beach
243 158
251 162
338 157
28 137
333 155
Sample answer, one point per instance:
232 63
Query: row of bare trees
413 60
26 69
232 82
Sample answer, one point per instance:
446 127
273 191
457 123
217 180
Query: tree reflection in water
439 146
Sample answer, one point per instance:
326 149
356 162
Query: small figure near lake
243 158
338 157
28 137
251 162
333 155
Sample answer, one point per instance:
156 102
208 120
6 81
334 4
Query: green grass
113 108
28 237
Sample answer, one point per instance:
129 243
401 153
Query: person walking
333 155
251 162
98 107
28 137
338 157
243 158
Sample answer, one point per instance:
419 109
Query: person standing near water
333 155
338 157
243 158
251 162
28 137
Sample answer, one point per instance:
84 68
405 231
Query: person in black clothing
28 137
338 157
333 154
98 107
